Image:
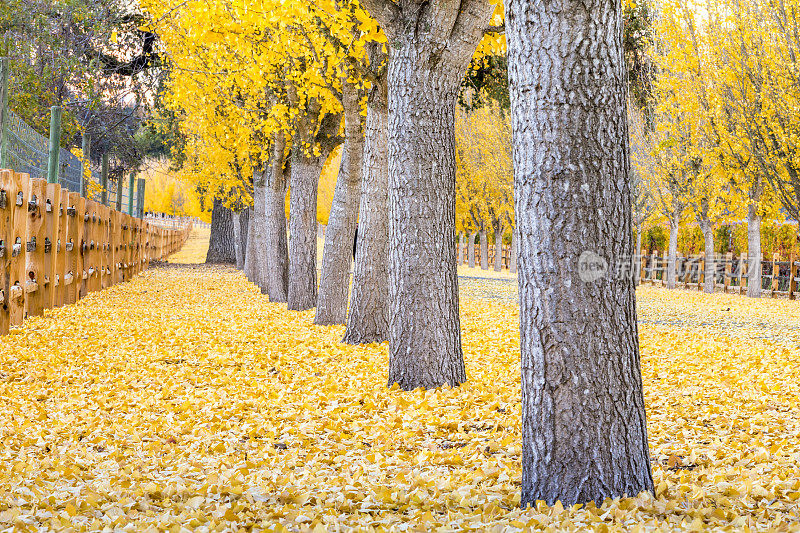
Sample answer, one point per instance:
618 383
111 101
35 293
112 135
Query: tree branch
386 12
495 29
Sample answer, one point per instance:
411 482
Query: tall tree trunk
237 240
710 259
429 53
673 252
304 183
244 227
220 247
498 248
753 252
255 260
484 250
583 417
368 317
512 261
471 249
337 255
277 253
461 248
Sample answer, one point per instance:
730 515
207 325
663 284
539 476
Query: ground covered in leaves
184 400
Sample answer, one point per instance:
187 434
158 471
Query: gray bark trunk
461 247
583 417
244 227
337 255
484 250
710 259
471 249
277 254
368 318
221 247
512 261
303 230
498 250
430 48
237 240
753 252
255 264
672 253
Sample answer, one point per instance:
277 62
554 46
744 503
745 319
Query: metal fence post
104 180
131 180
86 166
4 75
120 184
55 144
140 198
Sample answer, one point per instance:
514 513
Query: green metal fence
25 150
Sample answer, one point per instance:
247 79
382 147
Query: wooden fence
505 259
56 248
778 278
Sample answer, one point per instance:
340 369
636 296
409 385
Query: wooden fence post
7 208
73 264
664 268
35 261
64 221
17 294
701 271
52 280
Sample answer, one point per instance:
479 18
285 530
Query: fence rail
56 246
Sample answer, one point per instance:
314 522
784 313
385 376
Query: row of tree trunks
368 319
337 255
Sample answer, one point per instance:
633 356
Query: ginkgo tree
484 177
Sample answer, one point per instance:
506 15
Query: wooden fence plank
52 281
17 294
61 259
73 264
36 302
7 207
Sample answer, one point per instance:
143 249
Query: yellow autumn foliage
184 399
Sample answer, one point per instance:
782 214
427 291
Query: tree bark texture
221 247
237 240
583 416
672 253
498 249
461 247
304 183
244 227
512 261
471 249
710 262
753 252
368 316
258 246
484 250
337 255
430 47
277 252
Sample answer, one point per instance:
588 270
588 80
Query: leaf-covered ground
184 400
